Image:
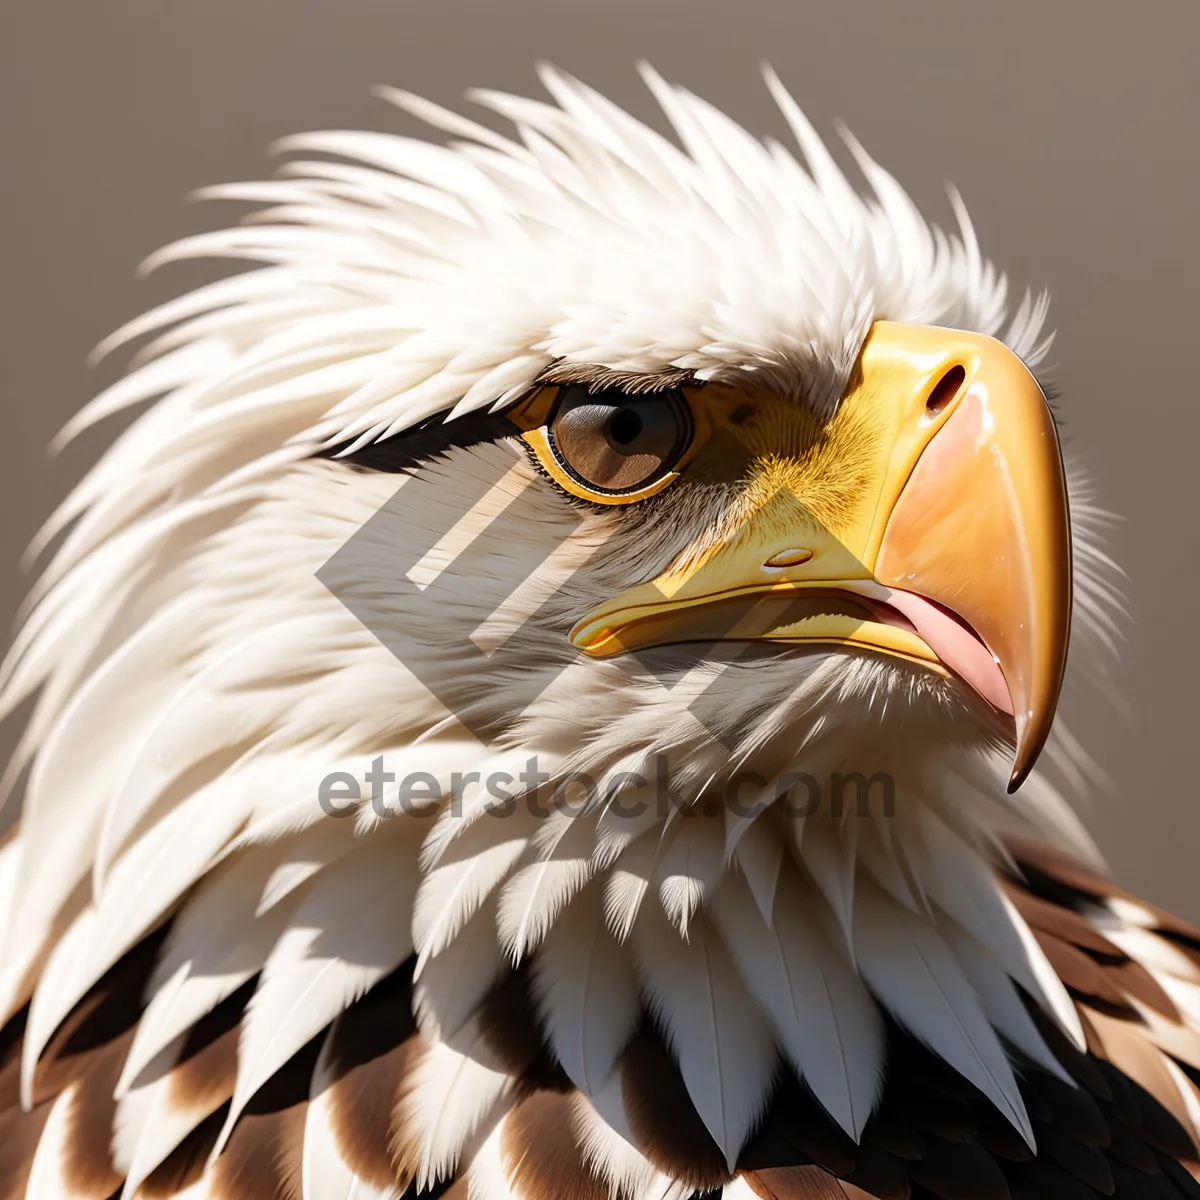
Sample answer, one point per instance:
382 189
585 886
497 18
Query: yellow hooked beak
949 543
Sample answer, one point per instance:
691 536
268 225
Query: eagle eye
608 446
616 443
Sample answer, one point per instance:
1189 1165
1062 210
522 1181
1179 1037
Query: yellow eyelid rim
531 417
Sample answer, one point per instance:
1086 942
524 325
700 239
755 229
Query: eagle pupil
625 427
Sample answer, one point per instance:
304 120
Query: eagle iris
614 442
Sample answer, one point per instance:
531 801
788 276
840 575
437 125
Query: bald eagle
542 704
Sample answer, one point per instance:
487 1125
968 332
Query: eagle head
596 598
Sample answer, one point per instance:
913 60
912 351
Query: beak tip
1023 763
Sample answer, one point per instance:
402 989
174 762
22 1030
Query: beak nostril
945 390
789 558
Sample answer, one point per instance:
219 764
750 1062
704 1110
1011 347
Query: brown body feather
1123 1129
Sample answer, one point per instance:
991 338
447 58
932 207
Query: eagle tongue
956 645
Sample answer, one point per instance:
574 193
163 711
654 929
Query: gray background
1070 128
